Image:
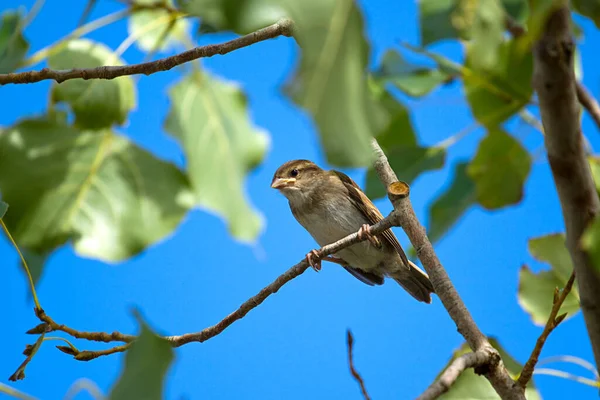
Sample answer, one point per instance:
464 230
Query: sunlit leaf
96 189
210 119
499 170
96 103
595 168
470 386
330 82
487 33
536 290
156 27
13 45
589 8
497 93
145 368
414 80
459 196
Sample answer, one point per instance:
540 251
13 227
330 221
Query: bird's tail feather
415 282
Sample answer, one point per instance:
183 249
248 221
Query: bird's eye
294 173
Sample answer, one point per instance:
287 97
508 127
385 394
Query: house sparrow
330 206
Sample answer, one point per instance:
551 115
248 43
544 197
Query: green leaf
35 262
414 80
97 189
210 119
497 93
487 34
536 290
499 170
96 103
452 19
13 45
3 209
470 386
398 141
589 8
331 81
595 168
145 368
157 27
459 196
590 242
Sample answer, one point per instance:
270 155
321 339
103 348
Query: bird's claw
365 233
315 264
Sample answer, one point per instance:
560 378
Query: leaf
210 119
157 27
459 196
452 19
398 141
145 368
497 93
595 168
536 290
13 45
35 262
487 34
97 189
470 386
413 80
331 81
3 208
499 170
589 8
590 242
96 103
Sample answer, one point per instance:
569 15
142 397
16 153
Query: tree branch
553 321
353 371
283 27
451 374
583 95
496 373
555 84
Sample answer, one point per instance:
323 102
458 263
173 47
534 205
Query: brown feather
366 206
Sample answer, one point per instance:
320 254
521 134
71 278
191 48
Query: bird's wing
368 209
365 277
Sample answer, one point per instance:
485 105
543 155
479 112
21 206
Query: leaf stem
33 292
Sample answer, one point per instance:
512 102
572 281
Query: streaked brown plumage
330 206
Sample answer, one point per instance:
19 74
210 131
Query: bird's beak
279 183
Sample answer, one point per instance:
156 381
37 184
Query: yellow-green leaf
96 103
210 119
13 45
157 28
536 290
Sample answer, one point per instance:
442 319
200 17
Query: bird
330 206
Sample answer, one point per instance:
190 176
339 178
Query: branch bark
451 374
283 27
555 84
496 373
353 371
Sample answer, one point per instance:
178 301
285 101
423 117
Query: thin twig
87 355
451 374
445 290
553 320
283 27
284 278
353 371
92 336
30 351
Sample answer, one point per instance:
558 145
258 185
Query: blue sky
293 346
